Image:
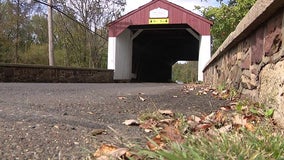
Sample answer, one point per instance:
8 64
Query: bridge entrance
158 47
145 43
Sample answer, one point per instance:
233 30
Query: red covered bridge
145 43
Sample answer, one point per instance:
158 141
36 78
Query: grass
264 143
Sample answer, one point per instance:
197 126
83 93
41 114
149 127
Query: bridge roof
176 15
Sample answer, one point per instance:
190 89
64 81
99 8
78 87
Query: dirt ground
58 121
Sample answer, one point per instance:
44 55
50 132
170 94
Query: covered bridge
145 43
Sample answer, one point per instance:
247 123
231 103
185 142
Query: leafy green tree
185 72
225 17
14 29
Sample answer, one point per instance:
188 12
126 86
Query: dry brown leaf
219 117
206 89
96 132
202 127
104 150
238 119
209 118
130 122
251 118
155 143
192 124
171 133
226 108
149 124
107 152
225 129
166 112
194 118
249 127
168 121
118 153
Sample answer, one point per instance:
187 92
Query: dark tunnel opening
156 49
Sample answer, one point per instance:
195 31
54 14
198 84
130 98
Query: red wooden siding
177 15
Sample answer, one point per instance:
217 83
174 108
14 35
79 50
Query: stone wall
47 74
252 57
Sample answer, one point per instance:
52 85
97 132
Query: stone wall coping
258 14
36 66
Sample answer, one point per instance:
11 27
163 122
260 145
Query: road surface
56 121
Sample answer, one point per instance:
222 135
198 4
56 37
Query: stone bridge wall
47 74
252 57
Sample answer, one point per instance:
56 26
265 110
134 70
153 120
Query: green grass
264 144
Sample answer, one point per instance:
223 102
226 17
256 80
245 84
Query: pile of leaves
174 133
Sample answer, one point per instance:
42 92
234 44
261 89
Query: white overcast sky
188 4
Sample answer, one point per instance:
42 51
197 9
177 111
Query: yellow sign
159 21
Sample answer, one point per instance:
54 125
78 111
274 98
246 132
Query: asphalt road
41 121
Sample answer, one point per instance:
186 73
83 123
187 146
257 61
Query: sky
188 4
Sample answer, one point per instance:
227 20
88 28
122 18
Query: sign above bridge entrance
159 21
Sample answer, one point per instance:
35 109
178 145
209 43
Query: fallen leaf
96 132
209 118
149 124
226 108
171 133
109 152
219 117
142 99
104 149
167 121
249 127
239 120
119 153
202 127
130 122
194 118
122 98
155 143
215 93
166 112
225 91
205 89
251 118
225 129
192 124
148 130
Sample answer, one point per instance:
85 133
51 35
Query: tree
23 31
93 15
14 29
225 17
185 72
